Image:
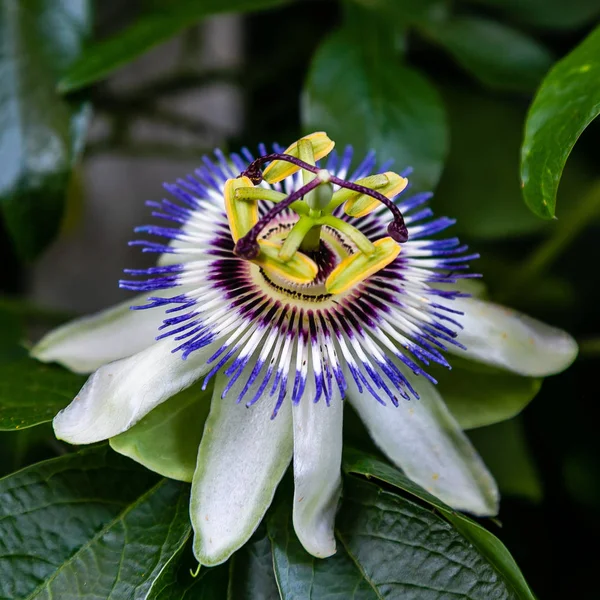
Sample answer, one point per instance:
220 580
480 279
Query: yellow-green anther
299 269
241 215
375 182
360 205
280 169
295 238
261 193
357 267
361 241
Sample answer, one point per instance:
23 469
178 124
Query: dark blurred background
234 81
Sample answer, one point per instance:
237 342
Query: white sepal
241 459
425 441
120 393
85 344
505 338
317 470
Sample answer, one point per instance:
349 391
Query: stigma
287 234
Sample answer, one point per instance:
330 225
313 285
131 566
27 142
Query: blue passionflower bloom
288 289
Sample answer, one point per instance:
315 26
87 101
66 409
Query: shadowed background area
240 79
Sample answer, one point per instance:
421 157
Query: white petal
424 440
119 394
87 343
505 338
317 471
242 457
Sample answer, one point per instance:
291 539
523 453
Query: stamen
397 228
247 247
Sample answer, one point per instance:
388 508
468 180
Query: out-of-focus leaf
480 185
499 56
549 291
404 11
486 543
10 336
478 395
88 525
301 576
366 98
566 103
32 392
21 448
504 450
166 440
161 22
251 572
553 14
40 134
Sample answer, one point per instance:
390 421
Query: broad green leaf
407 551
301 576
167 439
251 571
486 543
478 395
32 393
40 134
86 526
480 185
500 57
161 22
364 96
553 14
504 450
566 103
182 580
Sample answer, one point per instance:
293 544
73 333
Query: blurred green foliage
485 99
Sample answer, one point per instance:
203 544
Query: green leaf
150 29
566 103
167 439
478 395
251 571
361 95
41 135
88 525
500 57
301 576
32 393
504 450
553 14
486 543
182 580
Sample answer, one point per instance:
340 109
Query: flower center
333 249
288 251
